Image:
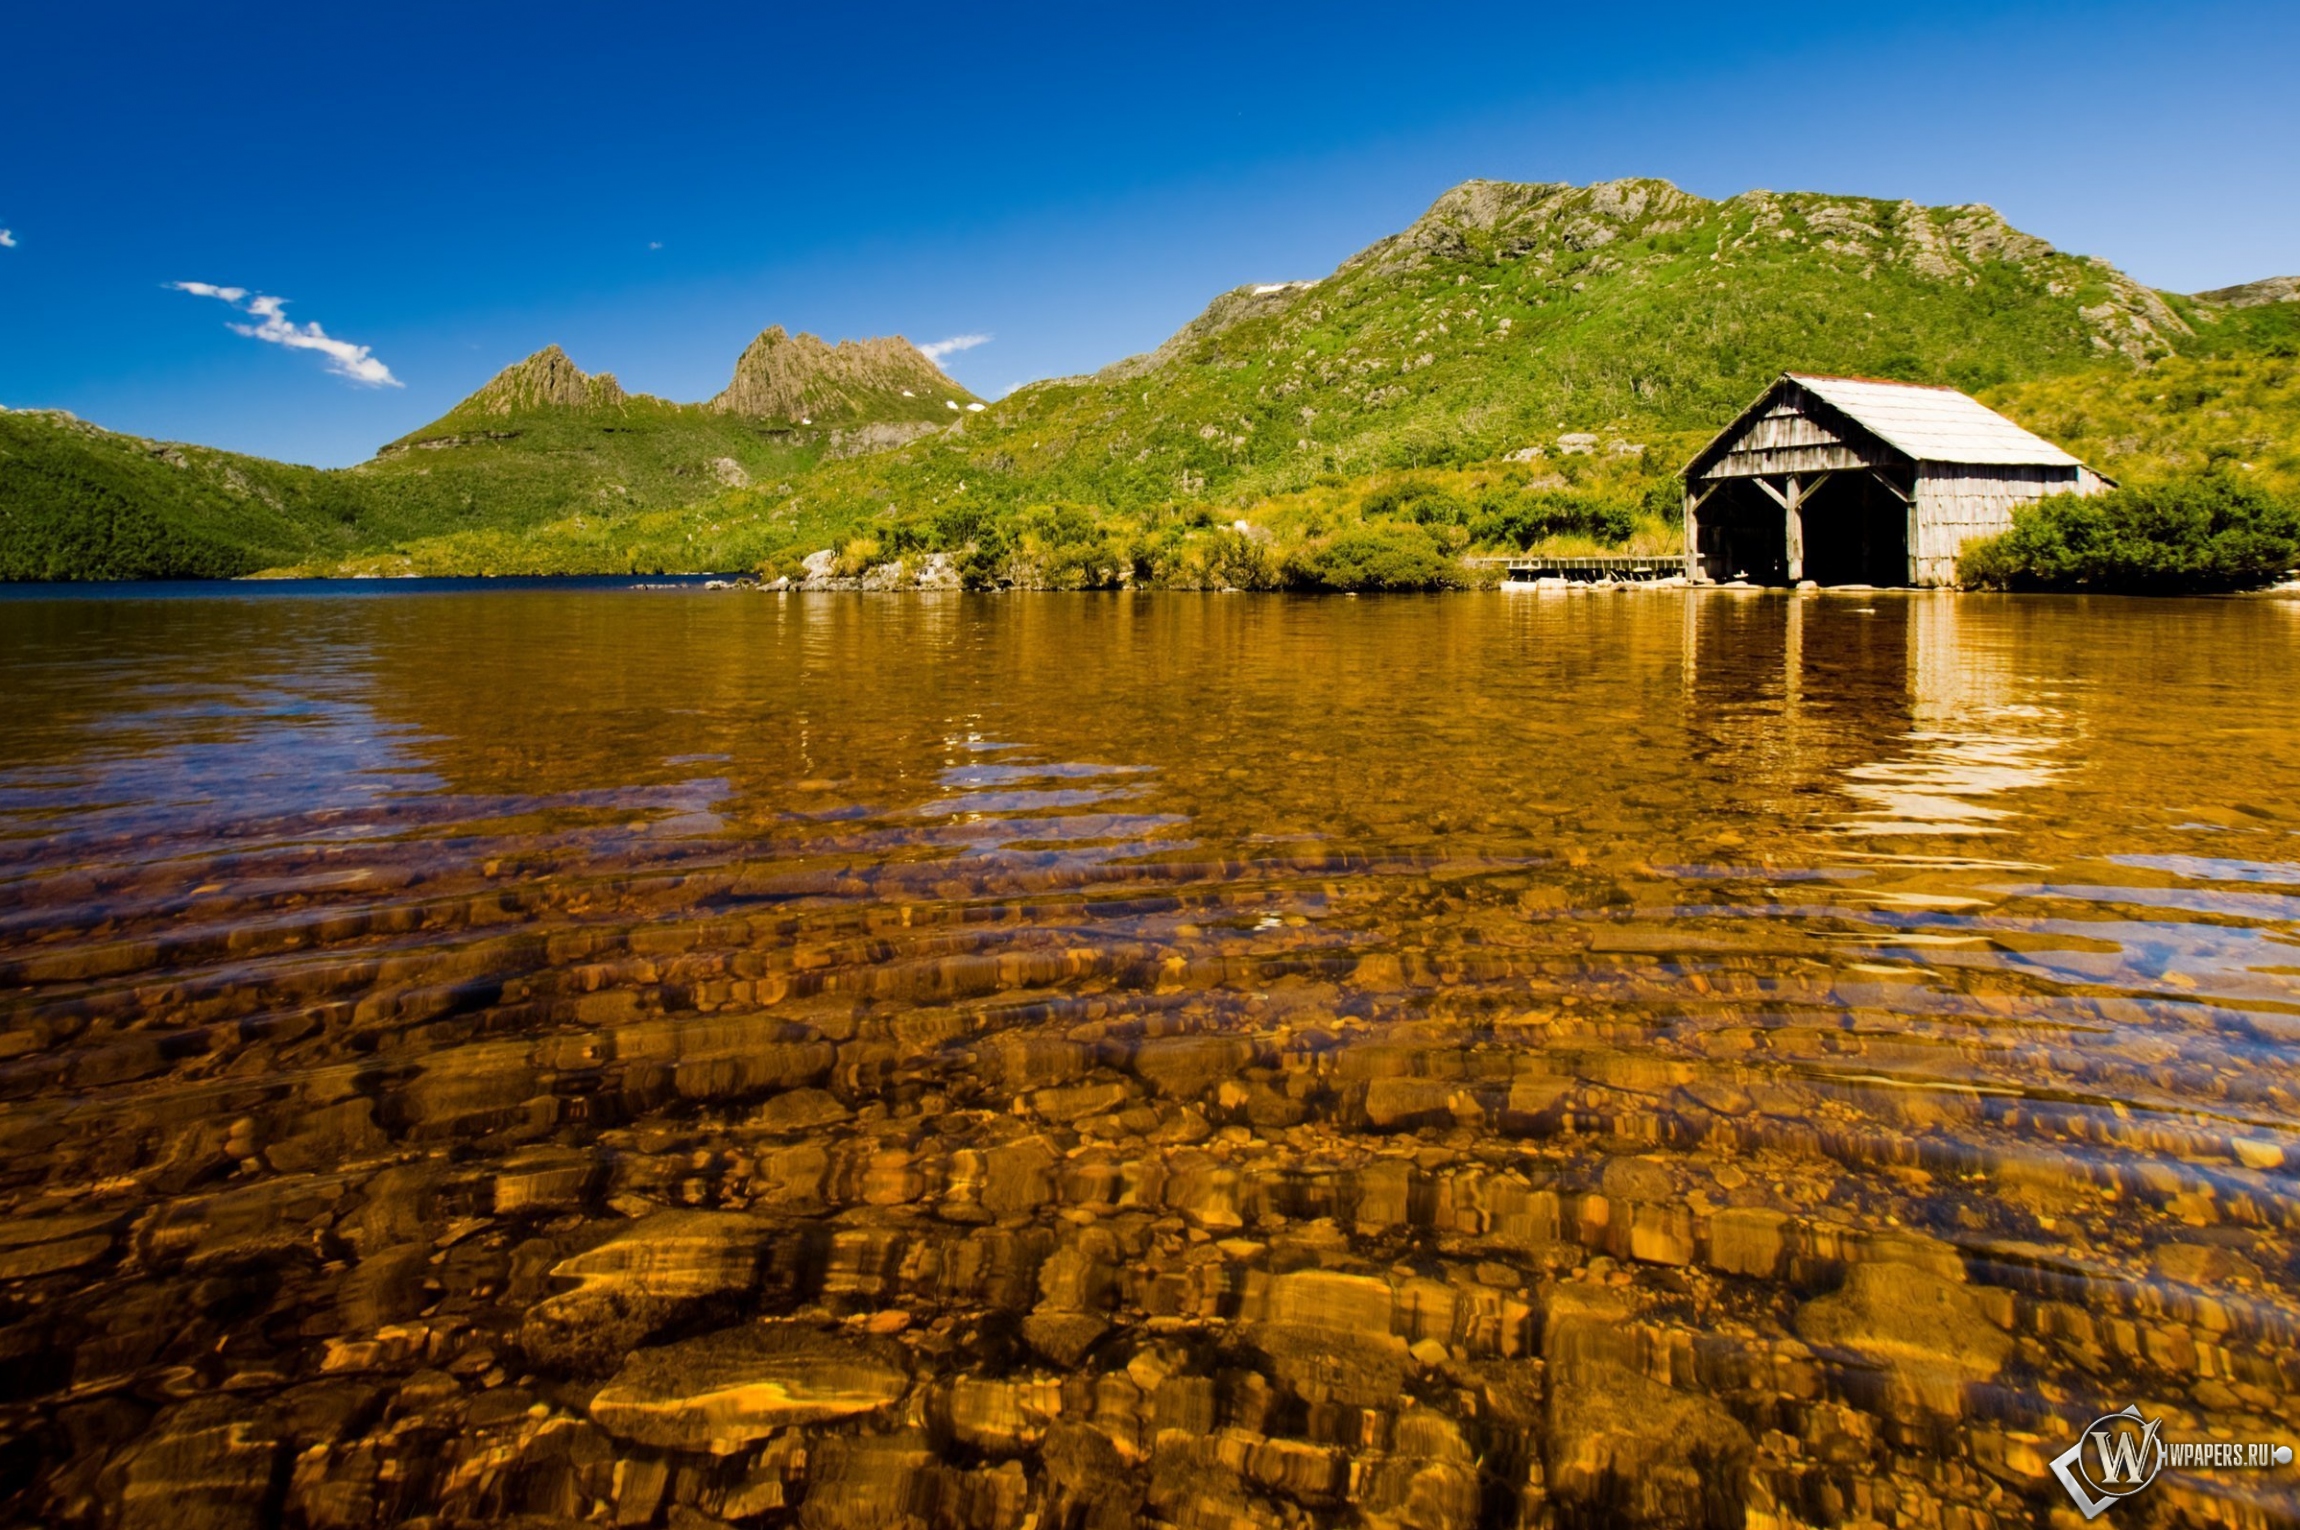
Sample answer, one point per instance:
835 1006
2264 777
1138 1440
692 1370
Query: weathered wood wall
1956 504
1785 439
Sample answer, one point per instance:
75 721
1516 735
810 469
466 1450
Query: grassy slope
1507 317
79 502
2232 399
504 474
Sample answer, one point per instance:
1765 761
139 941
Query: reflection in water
667 1058
1973 736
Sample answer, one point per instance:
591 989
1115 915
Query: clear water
1494 1059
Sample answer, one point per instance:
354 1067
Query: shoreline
257 587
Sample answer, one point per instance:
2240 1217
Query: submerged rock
1926 1329
209 1465
725 1390
652 1271
1624 1449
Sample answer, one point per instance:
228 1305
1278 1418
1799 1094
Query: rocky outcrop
880 436
1505 221
1511 219
1228 311
545 380
2259 294
797 379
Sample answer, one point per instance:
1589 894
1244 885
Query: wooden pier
1596 568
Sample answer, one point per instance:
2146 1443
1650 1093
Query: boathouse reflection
1908 705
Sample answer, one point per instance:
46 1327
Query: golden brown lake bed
647 1057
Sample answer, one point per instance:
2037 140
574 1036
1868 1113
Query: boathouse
1845 480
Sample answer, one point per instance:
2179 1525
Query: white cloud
942 348
7 239
654 244
273 326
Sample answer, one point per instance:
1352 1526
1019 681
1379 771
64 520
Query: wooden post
1694 573
1793 529
1916 524
1692 536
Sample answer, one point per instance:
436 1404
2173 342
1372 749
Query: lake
655 1056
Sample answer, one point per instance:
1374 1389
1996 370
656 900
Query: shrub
963 521
988 558
1060 525
1520 520
1102 564
1387 555
1069 547
1664 501
909 534
1233 560
1411 499
2181 536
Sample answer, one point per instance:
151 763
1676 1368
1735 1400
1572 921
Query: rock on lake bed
648 1058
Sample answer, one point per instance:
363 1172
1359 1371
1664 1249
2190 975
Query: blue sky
451 187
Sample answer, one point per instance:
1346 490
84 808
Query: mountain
545 380
800 380
1508 321
1522 363
542 442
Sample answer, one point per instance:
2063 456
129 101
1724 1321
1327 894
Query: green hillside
542 443
2231 400
1524 365
1505 323
77 502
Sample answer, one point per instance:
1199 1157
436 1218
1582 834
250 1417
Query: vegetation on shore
2237 414
77 502
1523 368
542 444
2203 534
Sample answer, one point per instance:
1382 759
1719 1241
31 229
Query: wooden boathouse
1845 480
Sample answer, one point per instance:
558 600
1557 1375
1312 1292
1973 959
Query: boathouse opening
1839 480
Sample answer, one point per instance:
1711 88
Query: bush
1060 525
1070 547
1425 504
1233 560
909 534
1520 520
987 558
2182 536
1388 555
962 521
1664 500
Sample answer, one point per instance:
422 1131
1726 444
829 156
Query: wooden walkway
1591 569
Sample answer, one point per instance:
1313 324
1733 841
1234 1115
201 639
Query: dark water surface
1040 1062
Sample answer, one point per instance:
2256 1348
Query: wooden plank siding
1787 440
1958 468
1957 503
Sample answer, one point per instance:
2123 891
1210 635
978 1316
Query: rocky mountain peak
794 378
545 380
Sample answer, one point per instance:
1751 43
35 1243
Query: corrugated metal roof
1935 424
